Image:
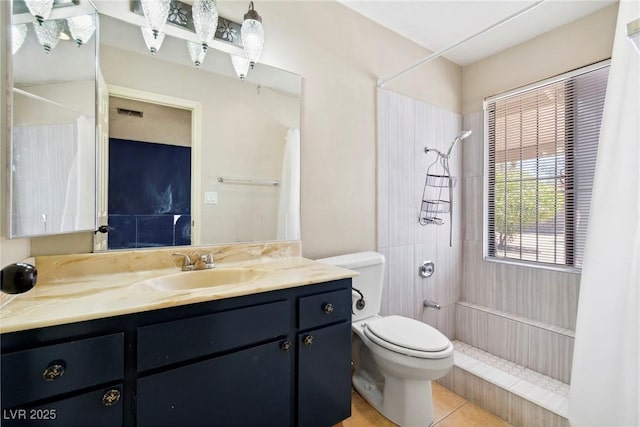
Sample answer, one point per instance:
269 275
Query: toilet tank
370 265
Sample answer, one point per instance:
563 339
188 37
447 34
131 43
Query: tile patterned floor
519 371
450 410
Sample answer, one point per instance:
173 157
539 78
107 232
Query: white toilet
395 358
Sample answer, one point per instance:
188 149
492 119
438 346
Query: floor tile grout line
450 413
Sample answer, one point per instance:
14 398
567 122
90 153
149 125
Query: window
542 142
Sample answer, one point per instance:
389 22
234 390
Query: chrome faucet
205 260
431 304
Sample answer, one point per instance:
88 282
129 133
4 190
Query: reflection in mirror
241 138
52 176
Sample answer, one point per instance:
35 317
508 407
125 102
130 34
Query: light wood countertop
77 288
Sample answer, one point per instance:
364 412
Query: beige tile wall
405 128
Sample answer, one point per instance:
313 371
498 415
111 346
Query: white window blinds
542 146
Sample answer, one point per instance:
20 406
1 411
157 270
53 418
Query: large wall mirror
52 151
189 155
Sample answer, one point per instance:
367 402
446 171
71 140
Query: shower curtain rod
435 55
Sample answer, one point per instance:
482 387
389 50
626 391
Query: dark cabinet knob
308 340
327 308
111 397
54 371
285 345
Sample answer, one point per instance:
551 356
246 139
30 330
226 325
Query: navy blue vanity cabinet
324 358
215 367
251 387
279 358
67 384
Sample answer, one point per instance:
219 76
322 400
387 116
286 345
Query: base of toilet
390 398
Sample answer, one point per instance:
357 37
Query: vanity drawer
43 372
166 343
321 309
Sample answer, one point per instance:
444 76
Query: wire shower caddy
437 196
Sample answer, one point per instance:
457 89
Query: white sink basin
202 279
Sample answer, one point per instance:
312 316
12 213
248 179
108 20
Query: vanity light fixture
197 53
18 34
48 33
153 42
82 28
205 20
156 13
252 35
241 65
40 9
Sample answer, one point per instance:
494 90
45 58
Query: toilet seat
409 337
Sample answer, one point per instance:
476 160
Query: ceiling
438 24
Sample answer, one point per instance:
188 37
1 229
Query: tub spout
431 304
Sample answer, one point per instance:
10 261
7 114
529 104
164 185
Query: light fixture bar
180 15
20 7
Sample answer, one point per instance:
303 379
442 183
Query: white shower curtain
78 213
289 204
42 159
606 377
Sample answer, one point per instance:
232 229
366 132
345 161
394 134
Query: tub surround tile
508 339
383 207
551 353
483 393
472 326
406 126
535 388
105 285
473 147
544 348
524 413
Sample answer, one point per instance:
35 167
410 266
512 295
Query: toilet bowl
395 358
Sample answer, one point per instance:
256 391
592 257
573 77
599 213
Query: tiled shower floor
533 386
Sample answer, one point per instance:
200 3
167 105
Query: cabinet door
324 380
102 408
247 388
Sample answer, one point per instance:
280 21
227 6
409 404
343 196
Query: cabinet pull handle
308 340
285 345
111 397
327 308
54 371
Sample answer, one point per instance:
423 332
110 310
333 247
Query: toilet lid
408 333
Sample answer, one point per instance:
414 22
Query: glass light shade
153 43
241 65
82 28
40 9
156 13
252 39
18 34
48 33
205 20
197 53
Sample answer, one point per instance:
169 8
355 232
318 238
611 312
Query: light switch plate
210 197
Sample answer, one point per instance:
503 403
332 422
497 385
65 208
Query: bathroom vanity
267 358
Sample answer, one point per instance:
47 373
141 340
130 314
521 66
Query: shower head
462 135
